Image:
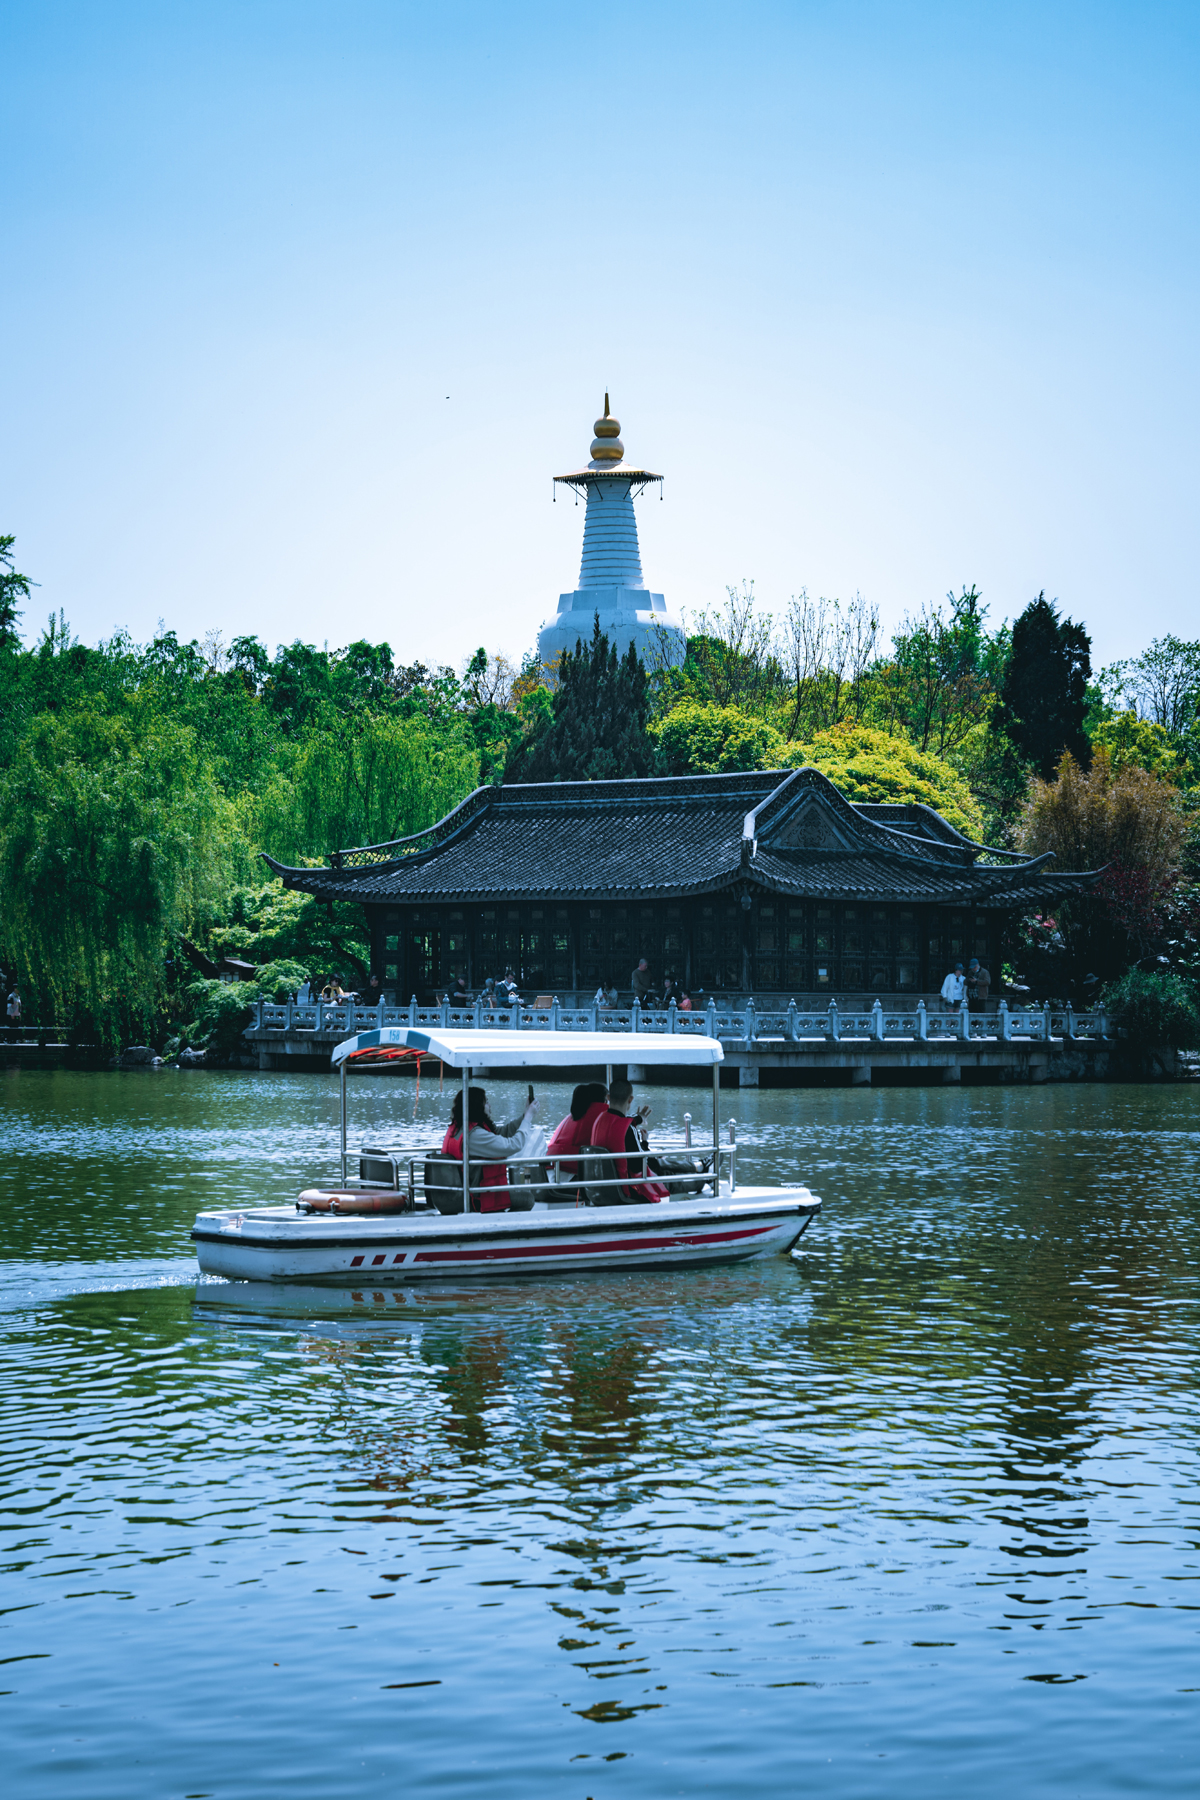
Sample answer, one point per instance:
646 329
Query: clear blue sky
303 305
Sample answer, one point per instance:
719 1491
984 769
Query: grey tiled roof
788 831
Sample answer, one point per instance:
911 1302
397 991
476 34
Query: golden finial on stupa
606 445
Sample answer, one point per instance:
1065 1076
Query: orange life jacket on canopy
609 1132
492 1175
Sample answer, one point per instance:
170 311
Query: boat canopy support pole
343 1075
716 1129
466 1139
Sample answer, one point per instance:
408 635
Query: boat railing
741 1023
554 1180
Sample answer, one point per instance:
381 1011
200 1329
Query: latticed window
854 946
559 961
797 962
487 953
423 954
767 962
824 949
455 948
717 948
908 965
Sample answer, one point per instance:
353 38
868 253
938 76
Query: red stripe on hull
501 1252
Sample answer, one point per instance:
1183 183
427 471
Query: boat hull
276 1244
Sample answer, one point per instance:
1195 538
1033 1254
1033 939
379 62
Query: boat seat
596 1165
444 1185
444 1188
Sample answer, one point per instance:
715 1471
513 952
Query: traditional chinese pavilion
769 883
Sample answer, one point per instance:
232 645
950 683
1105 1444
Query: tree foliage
1151 1011
700 739
141 780
1126 822
1161 685
13 587
597 728
1129 741
113 837
1044 692
871 765
1108 814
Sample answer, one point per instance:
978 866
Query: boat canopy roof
528 1049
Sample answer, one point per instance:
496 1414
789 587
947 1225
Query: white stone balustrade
742 1023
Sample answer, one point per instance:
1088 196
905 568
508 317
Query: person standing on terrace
954 988
642 983
979 981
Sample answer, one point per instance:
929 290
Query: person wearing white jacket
492 1147
954 988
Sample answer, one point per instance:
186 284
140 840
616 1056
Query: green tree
1161 685
866 764
598 730
1044 696
113 838
1107 814
1153 1011
368 780
1141 743
706 740
1126 822
941 680
13 587
828 652
278 929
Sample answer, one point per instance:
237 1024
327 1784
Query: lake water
915 1511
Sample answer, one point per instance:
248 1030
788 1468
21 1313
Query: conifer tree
13 587
1044 692
598 730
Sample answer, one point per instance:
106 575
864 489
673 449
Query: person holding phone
492 1148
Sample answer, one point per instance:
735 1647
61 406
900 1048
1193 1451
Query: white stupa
610 575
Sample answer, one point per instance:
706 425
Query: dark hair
621 1089
588 1094
478 1112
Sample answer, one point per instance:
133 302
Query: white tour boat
401 1218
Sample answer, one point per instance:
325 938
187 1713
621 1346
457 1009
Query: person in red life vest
621 1133
492 1147
588 1103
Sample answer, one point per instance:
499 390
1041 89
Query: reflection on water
849 1520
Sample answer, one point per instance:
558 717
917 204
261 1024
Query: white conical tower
610 572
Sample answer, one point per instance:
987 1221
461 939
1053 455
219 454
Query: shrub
277 980
221 1012
1153 1012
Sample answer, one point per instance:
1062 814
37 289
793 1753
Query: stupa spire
611 583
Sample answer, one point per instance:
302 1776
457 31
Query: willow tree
114 838
364 781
